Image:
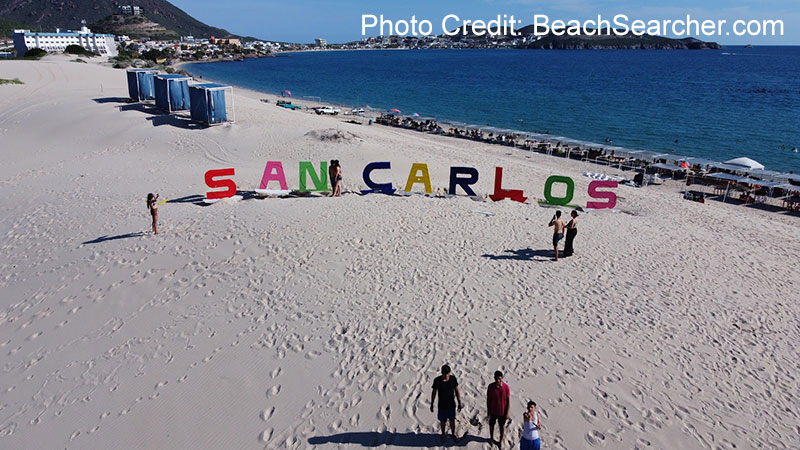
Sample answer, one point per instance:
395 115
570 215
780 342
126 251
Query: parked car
357 111
326 110
287 105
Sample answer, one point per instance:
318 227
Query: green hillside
7 27
49 15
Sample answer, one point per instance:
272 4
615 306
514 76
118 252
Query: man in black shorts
498 401
447 388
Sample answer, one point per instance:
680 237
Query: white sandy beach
321 322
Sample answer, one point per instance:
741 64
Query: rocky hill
136 27
48 15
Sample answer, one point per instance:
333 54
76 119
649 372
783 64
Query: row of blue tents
206 102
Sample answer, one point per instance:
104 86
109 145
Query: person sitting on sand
572 231
447 388
153 207
558 231
531 424
498 403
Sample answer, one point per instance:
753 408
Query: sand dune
317 322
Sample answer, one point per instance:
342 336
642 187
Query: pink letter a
274 171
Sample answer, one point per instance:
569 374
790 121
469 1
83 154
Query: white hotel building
102 44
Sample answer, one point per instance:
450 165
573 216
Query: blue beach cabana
172 92
140 84
211 103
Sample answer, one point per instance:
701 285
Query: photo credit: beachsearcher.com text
619 25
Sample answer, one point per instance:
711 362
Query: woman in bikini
337 178
152 199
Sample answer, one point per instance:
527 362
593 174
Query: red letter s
230 186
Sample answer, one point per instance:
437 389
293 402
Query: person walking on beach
572 231
558 231
152 205
498 402
446 386
531 424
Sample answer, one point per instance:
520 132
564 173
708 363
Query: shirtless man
558 230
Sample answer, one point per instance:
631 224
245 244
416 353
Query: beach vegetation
78 60
78 50
14 81
156 55
35 52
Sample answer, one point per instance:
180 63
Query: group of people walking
498 405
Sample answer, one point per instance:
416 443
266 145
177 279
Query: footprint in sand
589 414
385 412
275 390
267 414
595 438
275 372
266 435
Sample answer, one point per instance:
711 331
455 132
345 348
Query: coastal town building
322 43
102 44
231 41
130 10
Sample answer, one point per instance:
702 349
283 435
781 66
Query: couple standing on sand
498 403
558 232
335 175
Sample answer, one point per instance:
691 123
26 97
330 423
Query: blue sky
340 20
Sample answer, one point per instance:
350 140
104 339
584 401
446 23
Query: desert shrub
78 50
14 81
35 52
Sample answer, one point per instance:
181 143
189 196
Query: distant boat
748 46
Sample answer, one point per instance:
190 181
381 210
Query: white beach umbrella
746 163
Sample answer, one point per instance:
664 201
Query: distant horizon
303 21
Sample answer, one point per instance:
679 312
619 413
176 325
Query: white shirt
529 430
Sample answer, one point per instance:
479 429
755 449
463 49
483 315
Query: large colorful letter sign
385 188
548 188
274 172
320 182
500 193
610 196
413 178
213 183
464 182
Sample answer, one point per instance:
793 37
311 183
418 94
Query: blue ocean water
716 104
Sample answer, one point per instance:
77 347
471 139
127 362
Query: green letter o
548 186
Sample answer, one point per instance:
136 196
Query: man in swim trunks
447 388
558 231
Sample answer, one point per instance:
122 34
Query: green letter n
320 181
